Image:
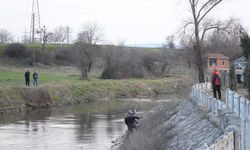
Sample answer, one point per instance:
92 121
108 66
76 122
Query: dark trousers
238 76
216 88
27 82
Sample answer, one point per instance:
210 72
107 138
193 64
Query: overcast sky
133 21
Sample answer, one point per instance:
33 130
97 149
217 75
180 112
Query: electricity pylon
35 26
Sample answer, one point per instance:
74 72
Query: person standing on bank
27 78
238 72
216 84
35 78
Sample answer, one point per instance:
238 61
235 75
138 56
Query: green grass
11 78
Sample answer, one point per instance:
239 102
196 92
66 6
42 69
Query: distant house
239 60
217 61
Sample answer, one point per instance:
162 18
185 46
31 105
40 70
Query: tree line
105 61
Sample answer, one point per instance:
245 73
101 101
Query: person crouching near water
132 121
216 84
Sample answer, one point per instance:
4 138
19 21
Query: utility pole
25 37
35 26
67 34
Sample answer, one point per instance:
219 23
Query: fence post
232 100
214 107
202 95
247 107
238 103
217 106
196 90
247 133
226 97
199 92
244 114
207 100
192 90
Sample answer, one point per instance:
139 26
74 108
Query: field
15 76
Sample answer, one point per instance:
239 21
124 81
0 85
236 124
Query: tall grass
151 135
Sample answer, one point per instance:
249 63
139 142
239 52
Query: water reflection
87 126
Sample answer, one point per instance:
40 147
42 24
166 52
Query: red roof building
217 61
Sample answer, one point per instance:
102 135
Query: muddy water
87 126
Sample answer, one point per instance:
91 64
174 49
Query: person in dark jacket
27 78
35 78
216 84
238 72
131 122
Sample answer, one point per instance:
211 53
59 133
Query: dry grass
151 135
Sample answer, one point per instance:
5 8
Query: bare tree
199 10
85 57
61 34
227 42
90 34
5 36
45 36
166 61
169 42
87 40
186 43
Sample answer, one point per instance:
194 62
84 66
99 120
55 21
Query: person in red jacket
216 84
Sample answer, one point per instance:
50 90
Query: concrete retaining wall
225 142
235 103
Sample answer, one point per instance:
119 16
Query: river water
89 126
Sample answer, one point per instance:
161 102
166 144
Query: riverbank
67 92
182 126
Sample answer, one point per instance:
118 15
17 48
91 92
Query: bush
16 50
43 57
109 73
232 79
65 56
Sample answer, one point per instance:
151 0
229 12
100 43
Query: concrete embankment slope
17 98
184 126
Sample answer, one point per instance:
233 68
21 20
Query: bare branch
219 27
209 10
203 7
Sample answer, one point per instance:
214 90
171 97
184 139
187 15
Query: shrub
109 73
63 55
16 50
232 79
43 57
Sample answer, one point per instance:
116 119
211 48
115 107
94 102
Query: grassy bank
62 89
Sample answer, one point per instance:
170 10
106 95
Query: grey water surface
91 126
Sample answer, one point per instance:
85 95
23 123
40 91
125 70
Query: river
91 126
